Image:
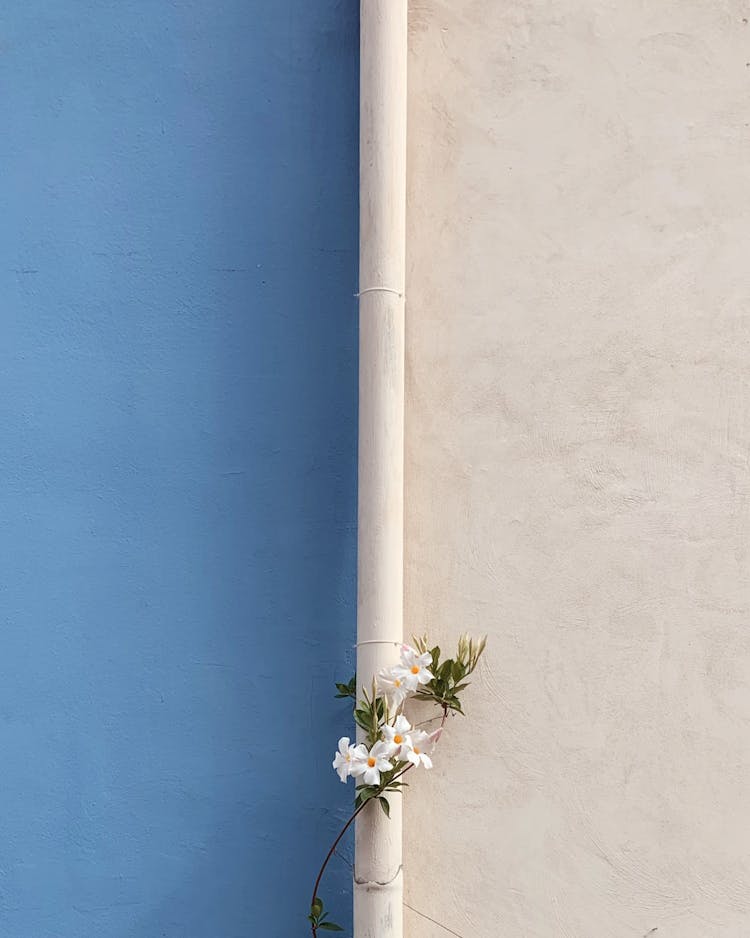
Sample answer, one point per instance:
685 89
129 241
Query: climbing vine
390 745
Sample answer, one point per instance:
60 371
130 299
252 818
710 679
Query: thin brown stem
330 853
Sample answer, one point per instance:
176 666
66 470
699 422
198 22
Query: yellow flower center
416 750
371 762
398 739
397 683
415 670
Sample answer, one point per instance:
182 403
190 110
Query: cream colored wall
578 463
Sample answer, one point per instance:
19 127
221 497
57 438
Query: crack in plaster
434 921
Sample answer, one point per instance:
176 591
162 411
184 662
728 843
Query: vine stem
351 820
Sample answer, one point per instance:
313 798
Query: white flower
414 668
369 765
417 747
393 685
345 757
397 735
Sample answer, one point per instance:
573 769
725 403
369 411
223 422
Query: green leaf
435 658
365 793
385 806
461 687
330 926
317 907
347 690
362 719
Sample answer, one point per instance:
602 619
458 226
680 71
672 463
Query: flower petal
411 681
408 656
372 776
402 726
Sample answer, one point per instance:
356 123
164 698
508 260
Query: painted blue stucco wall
177 461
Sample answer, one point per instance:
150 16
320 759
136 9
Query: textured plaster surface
578 464
178 387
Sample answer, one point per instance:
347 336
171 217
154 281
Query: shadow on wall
178 424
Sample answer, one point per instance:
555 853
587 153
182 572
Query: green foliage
347 690
370 714
365 793
388 783
319 919
450 675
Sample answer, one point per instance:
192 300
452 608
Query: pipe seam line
374 882
398 293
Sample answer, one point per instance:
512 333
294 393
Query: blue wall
177 461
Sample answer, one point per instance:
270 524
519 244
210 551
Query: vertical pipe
378 883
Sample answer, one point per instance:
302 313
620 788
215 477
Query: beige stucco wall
578 463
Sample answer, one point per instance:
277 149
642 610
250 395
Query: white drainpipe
378 878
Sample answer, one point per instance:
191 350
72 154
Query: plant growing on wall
390 745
